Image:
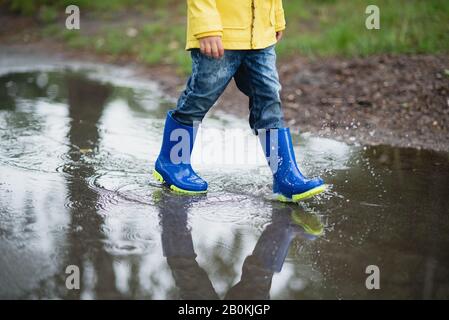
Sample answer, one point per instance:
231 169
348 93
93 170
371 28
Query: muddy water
76 150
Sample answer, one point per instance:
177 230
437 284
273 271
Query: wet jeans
255 74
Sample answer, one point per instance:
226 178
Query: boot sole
174 188
302 196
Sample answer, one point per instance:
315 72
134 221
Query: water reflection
177 244
75 154
287 223
86 101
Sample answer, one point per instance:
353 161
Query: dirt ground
396 100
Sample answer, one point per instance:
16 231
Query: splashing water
76 151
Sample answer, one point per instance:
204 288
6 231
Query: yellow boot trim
182 191
174 188
158 176
308 194
309 222
283 198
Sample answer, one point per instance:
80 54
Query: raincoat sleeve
280 16
204 18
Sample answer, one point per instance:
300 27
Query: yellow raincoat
242 24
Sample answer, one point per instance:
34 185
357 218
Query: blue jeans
255 74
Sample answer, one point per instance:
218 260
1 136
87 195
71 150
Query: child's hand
279 35
212 47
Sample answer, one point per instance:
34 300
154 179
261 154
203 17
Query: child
233 39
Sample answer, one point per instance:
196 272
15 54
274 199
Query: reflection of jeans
255 74
177 245
267 258
258 269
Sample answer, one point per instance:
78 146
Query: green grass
332 27
31 7
314 28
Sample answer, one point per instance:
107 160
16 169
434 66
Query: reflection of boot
177 246
271 250
178 173
288 182
311 223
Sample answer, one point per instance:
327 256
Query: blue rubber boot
289 184
173 164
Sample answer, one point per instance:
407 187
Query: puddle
76 150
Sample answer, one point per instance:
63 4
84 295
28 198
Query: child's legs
209 79
258 78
